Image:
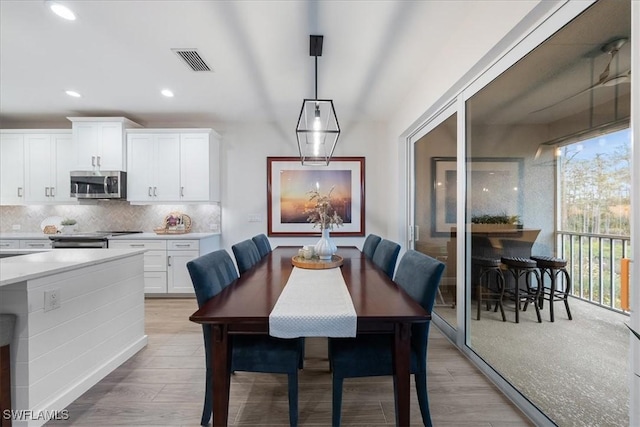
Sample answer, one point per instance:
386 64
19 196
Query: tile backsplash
109 215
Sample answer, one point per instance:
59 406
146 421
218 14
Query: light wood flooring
163 385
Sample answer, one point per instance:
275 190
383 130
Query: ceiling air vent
192 59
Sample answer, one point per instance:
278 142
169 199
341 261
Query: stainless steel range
98 239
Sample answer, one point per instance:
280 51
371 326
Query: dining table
243 307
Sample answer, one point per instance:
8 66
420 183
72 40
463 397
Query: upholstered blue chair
210 274
372 355
246 254
262 242
386 255
370 245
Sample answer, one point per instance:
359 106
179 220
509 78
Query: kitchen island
80 314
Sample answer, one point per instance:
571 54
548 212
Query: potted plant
69 225
495 222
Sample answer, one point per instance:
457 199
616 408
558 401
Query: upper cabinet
11 168
173 165
48 161
35 166
100 142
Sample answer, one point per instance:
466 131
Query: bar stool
7 325
553 267
523 268
487 289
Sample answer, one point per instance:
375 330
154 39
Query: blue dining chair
372 355
386 255
246 254
210 274
370 245
262 242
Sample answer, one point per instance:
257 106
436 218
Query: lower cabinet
165 263
178 279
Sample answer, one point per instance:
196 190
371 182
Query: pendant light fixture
318 129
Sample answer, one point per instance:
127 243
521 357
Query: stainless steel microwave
99 184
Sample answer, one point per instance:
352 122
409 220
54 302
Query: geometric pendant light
318 129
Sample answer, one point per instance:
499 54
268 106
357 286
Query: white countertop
26 267
19 235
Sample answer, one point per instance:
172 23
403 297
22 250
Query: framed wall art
494 187
288 187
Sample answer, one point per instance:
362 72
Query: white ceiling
117 54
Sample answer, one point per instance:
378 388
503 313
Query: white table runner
314 303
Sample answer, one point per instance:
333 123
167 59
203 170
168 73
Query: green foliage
68 221
495 219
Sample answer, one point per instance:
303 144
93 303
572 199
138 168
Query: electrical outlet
255 218
51 299
16 227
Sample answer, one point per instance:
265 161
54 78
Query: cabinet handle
53 191
99 161
136 245
150 192
93 160
36 245
169 261
184 245
154 191
181 191
5 245
19 191
46 191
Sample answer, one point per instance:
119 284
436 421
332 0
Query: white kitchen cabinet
9 244
48 161
100 142
173 165
165 261
199 167
35 244
154 169
179 253
11 168
155 262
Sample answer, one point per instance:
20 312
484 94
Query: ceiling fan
605 80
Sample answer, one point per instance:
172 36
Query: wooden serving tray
317 263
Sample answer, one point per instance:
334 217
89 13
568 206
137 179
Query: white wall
245 148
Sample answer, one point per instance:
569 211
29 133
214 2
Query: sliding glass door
489 180
434 214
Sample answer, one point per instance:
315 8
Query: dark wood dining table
245 305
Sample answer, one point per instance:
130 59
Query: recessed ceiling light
72 93
167 93
61 10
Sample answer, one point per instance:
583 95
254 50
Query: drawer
155 261
9 244
35 244
155 283
183 245
138 244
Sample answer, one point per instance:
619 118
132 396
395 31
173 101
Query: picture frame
288 186
494 182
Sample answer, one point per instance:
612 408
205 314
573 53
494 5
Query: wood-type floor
163 385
